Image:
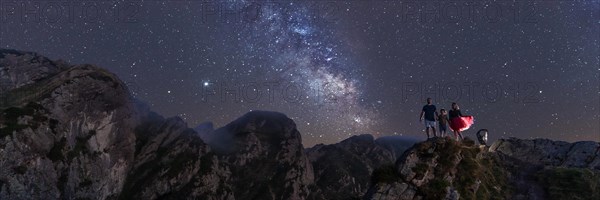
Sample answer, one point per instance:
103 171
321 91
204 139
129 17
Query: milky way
300 56
338 68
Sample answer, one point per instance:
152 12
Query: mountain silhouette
76 132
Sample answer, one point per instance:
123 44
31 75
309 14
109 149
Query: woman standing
458 122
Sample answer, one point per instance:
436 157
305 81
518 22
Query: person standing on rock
444 121
429 114
458 122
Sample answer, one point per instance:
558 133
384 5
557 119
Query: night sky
523 69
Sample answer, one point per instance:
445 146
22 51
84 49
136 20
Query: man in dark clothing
429 113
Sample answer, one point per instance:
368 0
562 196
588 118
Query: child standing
443 119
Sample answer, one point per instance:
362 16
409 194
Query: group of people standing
452 119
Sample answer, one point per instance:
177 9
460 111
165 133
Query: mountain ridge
75 132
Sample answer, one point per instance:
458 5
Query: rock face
342 170
266 157
264 160
23 68
551 153
172 162
69 132
441 168
63 134
510 169
74 132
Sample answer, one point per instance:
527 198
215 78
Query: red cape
461 123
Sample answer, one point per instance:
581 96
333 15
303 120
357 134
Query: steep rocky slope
66 132
342 170
266 157
442 168
69 132
584 154
513 168
172 162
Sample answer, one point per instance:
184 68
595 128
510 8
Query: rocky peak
439 168
258 131
396 144
357 143
267 155
74 132
584 154
442 168
171 160
342 170
18 68
68 129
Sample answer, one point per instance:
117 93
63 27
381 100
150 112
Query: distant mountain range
75 132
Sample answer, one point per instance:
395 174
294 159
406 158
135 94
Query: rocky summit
75 132
442 168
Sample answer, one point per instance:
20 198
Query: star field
523 69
